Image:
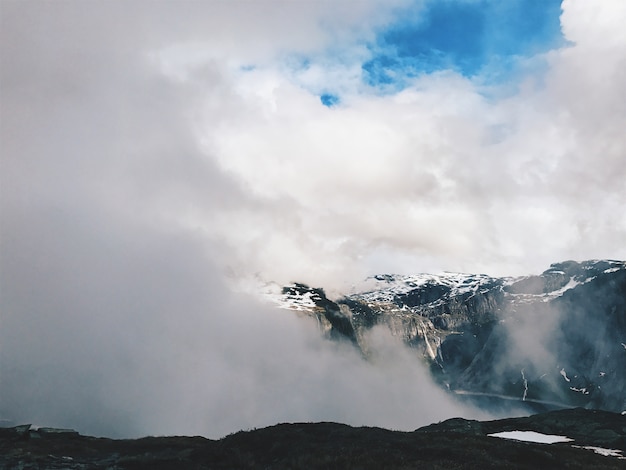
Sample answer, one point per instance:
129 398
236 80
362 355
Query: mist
154 155
130 332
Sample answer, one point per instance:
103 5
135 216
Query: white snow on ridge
545 297
387 287
273 293
615 263
300 302
531 436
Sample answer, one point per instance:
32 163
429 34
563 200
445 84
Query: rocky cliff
553 340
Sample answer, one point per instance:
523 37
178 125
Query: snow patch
602 451
299 302
531 436
387 287
570 285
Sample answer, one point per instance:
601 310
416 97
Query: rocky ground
452 444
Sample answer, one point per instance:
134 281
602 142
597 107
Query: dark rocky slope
452 444
553 340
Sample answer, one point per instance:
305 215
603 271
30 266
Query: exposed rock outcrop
557 339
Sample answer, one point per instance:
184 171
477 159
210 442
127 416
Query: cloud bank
151 150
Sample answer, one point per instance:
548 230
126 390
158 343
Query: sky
156 156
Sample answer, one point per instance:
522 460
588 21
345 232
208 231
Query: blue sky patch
467 36
329 99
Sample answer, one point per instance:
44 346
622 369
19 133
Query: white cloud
506 185
137 154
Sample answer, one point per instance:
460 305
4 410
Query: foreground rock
452 444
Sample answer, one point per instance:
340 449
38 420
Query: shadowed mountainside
548 341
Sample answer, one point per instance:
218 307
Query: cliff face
557 339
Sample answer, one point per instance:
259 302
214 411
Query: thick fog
155 153
120 330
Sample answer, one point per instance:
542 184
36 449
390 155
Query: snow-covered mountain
557 339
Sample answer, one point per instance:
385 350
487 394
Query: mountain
585 439
547 341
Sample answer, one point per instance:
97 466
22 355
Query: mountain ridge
553 340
